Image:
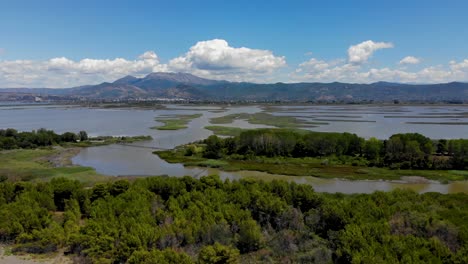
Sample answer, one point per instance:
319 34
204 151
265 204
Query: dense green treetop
186 220
410 150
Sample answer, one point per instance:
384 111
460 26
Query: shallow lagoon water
383 127
135 160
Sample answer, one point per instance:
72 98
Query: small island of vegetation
267 119
175 122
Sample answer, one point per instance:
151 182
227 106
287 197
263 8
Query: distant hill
190 87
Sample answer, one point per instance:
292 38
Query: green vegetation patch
12 139
267 119
235 131
327 167
439 123
179 155
106 140
229 118
345 120
225 130
211 163
44 155
175 122
186 220
425 116
44 164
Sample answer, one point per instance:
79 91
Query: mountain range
163 85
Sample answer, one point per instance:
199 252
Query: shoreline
311 169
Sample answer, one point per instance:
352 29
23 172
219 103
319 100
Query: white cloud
409 60
355 70
323 71
459 67
64 72
146 62
216 59
360 53
2 51
212 59
315 70
149 55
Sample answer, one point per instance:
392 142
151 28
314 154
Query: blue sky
291 40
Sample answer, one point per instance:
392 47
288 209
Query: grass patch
178 156
211 163
235 131
267 119
106 140
459 172
38 165
346 120
225 131
439 123
229 118
175 123
425 116
7 251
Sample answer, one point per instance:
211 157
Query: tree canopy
405 151
206 220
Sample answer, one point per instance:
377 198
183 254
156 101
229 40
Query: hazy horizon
291 82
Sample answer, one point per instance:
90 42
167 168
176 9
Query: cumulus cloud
459 66
212 59
409 60
64 72
315 70
355 70
147 62
323 71
216 59
149 55
360 53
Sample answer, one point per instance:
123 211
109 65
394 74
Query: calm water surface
384 121
134 160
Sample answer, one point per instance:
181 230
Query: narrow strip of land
175 122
